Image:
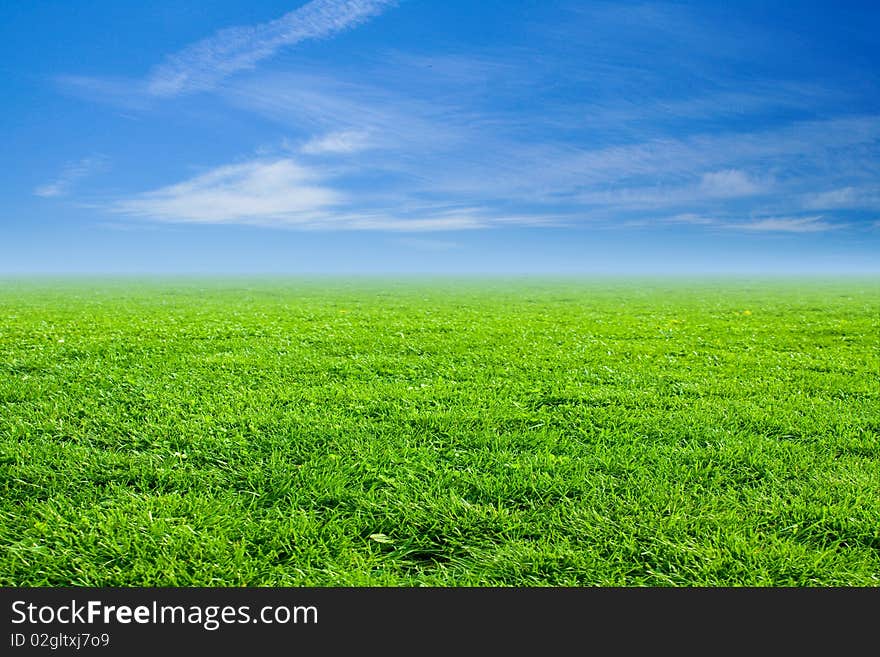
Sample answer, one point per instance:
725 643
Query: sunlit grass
440 432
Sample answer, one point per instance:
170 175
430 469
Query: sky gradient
374 136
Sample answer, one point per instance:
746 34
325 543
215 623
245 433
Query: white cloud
49 190
326 104
844 197
717 185
787 225
260 191
284 194
663 172
71 173
729 183
203 64
691 219
390 222
342 142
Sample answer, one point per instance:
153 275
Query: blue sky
373 136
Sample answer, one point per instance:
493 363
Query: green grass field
445 433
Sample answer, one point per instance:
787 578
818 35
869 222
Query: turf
443 433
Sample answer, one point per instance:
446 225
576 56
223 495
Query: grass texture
440 433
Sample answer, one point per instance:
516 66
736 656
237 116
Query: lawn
440 432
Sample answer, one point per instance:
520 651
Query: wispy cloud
454 140
124 93
724 185
786 225
71 174
691 219
440 148
202 65
342 142
730 183
328 105
844 198
510 183
252 192
773 224
285 194
389 222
